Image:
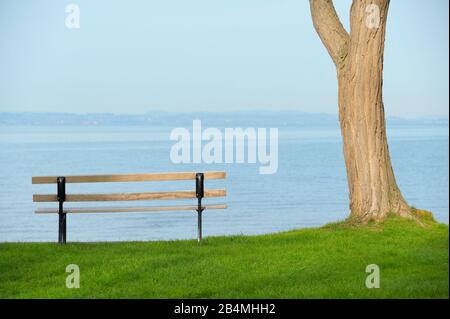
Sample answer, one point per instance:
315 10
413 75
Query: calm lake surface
309 189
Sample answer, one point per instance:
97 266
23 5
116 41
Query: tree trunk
358 57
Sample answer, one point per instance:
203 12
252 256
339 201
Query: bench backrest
182 194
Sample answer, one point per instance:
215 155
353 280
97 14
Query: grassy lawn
327 262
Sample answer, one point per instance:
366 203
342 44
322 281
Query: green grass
327 262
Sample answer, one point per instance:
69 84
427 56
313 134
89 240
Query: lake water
309 189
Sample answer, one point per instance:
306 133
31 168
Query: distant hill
225 119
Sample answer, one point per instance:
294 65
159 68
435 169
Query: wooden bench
199 192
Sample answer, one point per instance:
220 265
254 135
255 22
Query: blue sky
203 55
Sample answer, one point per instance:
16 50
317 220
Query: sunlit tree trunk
358 57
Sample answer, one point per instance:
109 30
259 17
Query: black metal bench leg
62 228
61 183
199 225
199 193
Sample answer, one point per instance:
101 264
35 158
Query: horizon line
429 117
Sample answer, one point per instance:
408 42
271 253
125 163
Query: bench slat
128 196
174 176
127 209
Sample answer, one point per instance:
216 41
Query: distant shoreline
268 118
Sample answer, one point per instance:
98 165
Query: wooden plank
128 196
174 176
88 210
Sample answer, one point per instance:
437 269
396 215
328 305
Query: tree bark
358 57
